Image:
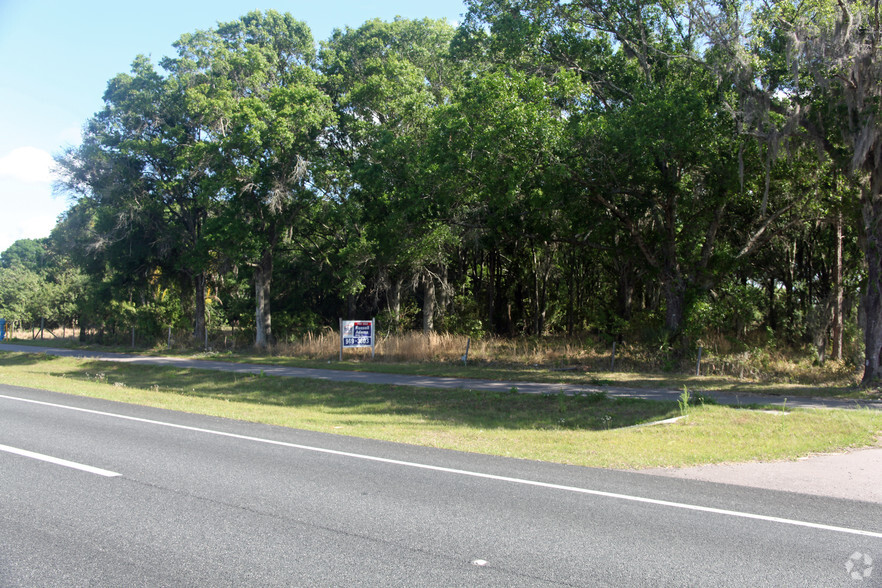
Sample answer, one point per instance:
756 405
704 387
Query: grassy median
589 430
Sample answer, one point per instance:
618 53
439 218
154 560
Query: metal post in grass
612 363
133 337
341 338
698 365
169 337
465 358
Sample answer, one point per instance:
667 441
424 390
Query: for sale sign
357 334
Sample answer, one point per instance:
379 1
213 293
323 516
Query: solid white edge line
59 461
522 481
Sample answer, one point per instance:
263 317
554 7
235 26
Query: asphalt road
443 382
188 500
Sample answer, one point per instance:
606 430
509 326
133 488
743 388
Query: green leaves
547 165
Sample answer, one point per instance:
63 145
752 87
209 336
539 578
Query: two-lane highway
104 494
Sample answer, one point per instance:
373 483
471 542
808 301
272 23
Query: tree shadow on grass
473 408
24 359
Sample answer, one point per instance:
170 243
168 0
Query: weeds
783 414
683 401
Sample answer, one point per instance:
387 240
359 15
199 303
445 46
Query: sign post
357 334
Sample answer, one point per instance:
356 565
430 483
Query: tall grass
758 364
586 354
445 347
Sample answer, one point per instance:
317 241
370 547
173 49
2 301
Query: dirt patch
854 474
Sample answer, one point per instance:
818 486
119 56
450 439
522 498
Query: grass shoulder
589 429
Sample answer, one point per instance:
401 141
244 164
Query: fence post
169 337
698 365
612 363
133 337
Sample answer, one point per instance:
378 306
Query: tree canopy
673 173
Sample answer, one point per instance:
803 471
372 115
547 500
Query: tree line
669 172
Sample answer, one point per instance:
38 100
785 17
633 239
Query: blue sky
57 56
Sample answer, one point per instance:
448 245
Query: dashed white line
521 481
59 461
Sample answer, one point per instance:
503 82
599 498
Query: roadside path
658 394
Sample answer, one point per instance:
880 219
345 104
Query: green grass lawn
589 430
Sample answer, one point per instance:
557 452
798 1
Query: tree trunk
873 293
445 299
839 301
571 294
428 305
541 275
673 281
199 309
772 318
394 297
491 291
351 306
537 302
263 276
625 294
675 304
820 341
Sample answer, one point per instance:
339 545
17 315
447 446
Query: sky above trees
56 58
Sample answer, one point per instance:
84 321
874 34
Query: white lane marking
522 481
59 461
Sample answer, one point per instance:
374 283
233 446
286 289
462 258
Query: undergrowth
584 354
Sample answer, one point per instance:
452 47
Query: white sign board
357 334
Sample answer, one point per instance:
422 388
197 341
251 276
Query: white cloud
72 135
31 228
27 164
29 211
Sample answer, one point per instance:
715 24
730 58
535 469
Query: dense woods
669 173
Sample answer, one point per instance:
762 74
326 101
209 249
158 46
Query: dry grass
583 354
413 347
443 347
